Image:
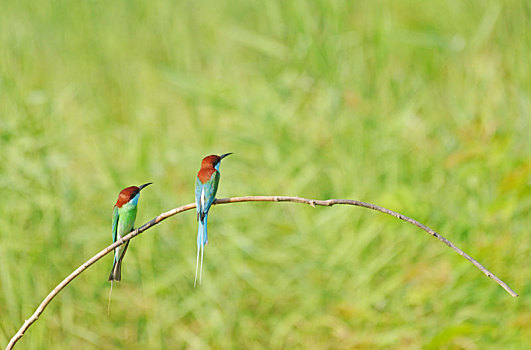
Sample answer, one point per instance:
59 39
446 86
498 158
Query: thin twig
312 202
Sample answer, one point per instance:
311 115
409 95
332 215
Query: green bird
123 222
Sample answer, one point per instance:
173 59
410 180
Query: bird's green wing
211 188
115 217
198 190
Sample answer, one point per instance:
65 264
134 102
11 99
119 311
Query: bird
206 186
123 221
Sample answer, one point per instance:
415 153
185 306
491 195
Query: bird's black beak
224 155
144 185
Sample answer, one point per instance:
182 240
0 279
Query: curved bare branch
312 202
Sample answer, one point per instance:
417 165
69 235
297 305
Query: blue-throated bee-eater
123 221
206 186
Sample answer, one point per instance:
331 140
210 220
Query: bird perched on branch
206 186
123 221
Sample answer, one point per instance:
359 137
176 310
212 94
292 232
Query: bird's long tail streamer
109 304
196 265
199 245
202 251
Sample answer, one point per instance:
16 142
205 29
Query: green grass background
419 106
